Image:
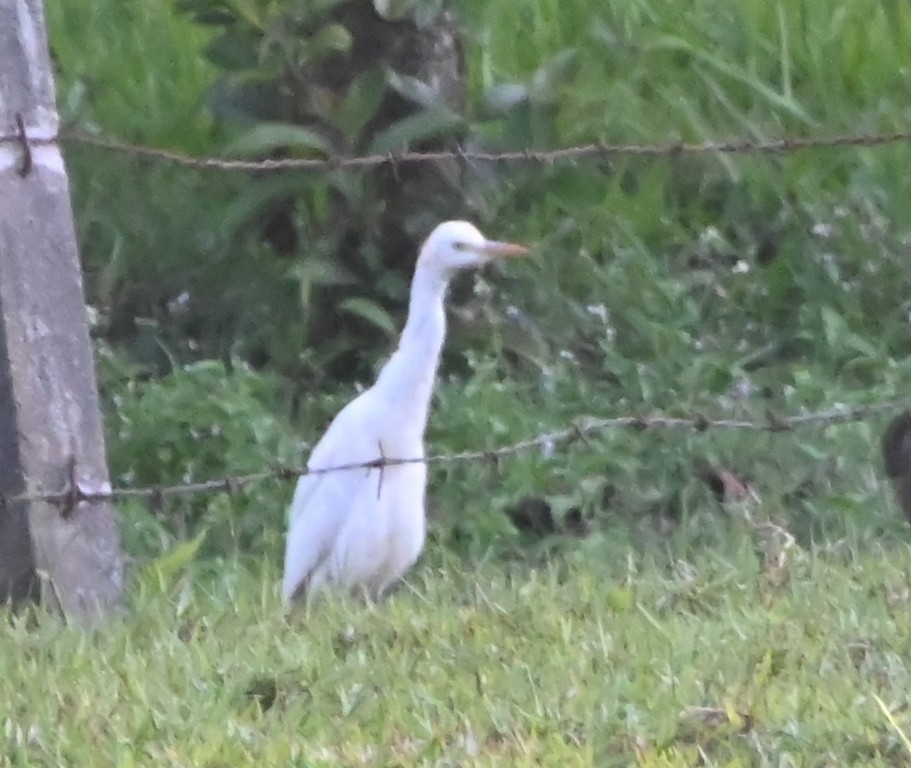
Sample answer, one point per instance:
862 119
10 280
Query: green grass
623 660
147 79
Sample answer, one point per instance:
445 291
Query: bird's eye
459 246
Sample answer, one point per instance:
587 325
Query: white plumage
362 529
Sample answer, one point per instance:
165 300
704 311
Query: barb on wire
595 150
70 495
25 165
382 462
580 430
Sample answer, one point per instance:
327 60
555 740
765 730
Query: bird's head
457 245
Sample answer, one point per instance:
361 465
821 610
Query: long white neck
406 382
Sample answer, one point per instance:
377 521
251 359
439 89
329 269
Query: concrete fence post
50 421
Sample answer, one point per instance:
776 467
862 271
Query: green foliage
201 422
729 284
739 260
631 486
163 269
298 272
323 79
165 570
110 87
797 239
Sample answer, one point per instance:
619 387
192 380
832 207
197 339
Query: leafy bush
331 79
201 422
304 273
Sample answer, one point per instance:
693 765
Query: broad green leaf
333 38
166 568
861 345
415 128
413 89
234 50
394 9
252 200
249 11
503 98
214 18
550 79
370 311
268 137
835 328
361 103
319 272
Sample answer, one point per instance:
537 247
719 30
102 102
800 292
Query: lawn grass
628 660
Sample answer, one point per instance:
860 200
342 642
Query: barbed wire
594 150
75 493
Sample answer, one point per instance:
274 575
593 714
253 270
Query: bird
360 529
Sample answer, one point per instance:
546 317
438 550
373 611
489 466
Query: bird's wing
320 502
313 527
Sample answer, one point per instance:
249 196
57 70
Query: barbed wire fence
75 492
580 431
589 151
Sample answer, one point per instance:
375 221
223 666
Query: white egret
361 529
